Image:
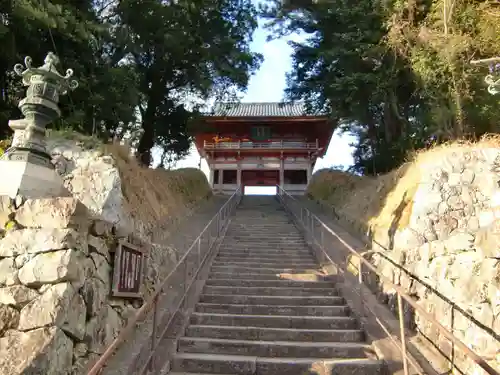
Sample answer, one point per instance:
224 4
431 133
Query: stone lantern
26 166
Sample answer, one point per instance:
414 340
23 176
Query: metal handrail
307 219
219 220
383 255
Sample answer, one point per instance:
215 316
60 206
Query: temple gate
261 144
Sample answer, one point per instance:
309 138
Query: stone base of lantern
30 175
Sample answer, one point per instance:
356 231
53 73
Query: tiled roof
258 110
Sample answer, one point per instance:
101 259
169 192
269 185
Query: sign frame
122 254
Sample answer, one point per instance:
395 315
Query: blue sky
267 85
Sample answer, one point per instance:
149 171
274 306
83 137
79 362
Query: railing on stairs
321 236
185 274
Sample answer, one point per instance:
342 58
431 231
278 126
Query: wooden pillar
221 171
211 176
238 175
309 171
282 173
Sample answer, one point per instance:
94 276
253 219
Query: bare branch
490 60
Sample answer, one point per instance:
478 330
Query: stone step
239 251
266 291
252 232
273 300
251 365
279 334
268 225
294 251
257 234
268 220
266 270
273 310
269 283
264 244
270 251
274 348
267 308
270 276
309 322
271 255
262 241
264 224
240 220
265 259
264 247
258 230
269 242
285 264
263 228
255 231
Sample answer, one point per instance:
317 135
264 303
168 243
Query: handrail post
153 336
312 229
186 274
403 334
199 250
360 280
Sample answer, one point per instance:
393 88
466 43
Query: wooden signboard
128 271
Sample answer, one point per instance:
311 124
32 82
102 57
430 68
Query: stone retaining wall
56 313
56 258
55 275
452 245
56 255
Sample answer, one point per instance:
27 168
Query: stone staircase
266 308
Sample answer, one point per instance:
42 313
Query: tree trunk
149 120
148 137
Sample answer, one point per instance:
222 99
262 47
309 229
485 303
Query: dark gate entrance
259 178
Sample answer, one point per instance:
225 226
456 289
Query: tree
343 69
74 31
391 72
138 63
185 49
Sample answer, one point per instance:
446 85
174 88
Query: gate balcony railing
156 316
323 237
278 145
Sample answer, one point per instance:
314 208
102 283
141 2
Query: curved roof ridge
259 109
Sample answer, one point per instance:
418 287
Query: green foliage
394 73
4 145
11 225
138 63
